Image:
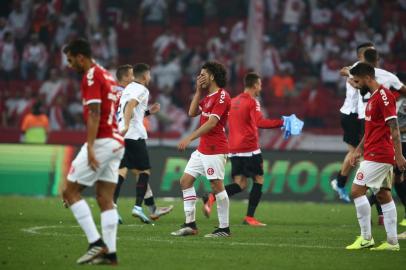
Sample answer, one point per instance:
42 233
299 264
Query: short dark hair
371 56
251 79
362 70
218 71
140 68
78 46
122 70
364 45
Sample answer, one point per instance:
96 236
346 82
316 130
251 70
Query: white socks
109 228
364 216
83 215
223 206
390 221
148 193
189 204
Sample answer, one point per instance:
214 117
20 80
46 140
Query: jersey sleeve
138 95
387 103
261 122
395 82
92 88
221 106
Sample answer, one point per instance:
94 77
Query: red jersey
378 145
244 120
98 86
215 141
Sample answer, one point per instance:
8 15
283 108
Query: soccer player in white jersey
131 112
382 149
98 160
125 76
212 103
352 123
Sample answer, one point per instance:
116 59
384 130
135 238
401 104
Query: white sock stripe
388 206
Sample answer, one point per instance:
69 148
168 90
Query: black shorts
247 166
135 155
396 171
353 128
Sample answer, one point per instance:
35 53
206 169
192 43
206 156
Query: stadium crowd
306 42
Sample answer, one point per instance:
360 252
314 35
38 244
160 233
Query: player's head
142 73
363 74
215 74
371 56
78 53
361 49
252 81
125 75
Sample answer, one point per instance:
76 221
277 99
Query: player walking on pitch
381 148
98 160
212 103
245 118
134 98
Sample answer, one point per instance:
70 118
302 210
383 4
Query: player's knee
243 184
384 196
104 202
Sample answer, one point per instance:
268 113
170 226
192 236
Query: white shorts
211 166
108 152
374 175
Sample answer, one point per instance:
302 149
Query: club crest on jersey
210 171
360 176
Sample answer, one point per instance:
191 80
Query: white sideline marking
38 230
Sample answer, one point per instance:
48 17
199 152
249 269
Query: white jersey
136 128
385 78
351 98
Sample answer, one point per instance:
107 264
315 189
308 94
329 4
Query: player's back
243 132
98 86
215 141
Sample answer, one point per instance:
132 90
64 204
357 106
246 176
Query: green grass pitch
38 233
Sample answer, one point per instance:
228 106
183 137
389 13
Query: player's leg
338 184
390 220
82 175
193 169
253 201
155 212
362 206
400 186
140 191
373 200
214 168
122 175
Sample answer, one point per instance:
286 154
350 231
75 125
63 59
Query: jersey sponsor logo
89 77
360 176
210 171
384 97
222 96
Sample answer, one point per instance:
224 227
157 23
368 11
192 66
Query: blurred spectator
219 44
168 44
166 73
3 28
35 125
330 72
100 50
8 57
154 11
292 14
35 59
282 84
271 61
57 114
194 12
41 10
18 20
52 87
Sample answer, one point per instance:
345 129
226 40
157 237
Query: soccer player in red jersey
246 160
98 160
212 103
382 149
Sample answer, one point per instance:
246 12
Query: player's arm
397 144
402 90
262 122
93 121
128 111
203 129
156 107
345 72
358 152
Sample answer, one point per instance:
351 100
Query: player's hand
183 144
352 83
156 107
345 72
401 163
354 158
201 83
91 159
